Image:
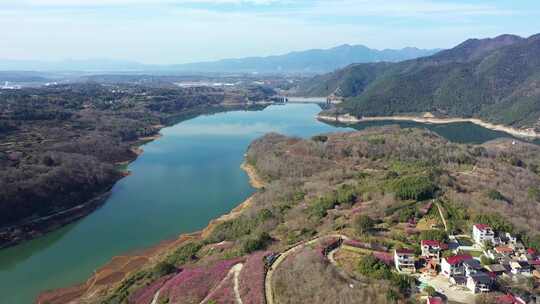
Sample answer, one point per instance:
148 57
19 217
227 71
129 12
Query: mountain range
496 79
304 62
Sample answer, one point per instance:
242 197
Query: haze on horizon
182 31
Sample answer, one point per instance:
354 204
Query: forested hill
495 79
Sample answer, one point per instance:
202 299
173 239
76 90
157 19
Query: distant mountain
306 62
310 61
494 79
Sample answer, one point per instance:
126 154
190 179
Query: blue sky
179 31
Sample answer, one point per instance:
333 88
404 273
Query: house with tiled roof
431 249
503 250
453 265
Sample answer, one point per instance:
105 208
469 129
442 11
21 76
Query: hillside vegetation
496 79
370 186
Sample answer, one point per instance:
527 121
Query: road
270 273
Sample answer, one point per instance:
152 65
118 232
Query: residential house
496 269
479 282
432 249
483 233
472 267
509 239
520 267
518 247
453 265
405 260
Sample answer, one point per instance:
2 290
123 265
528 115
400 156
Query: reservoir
182 181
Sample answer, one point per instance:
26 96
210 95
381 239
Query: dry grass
309 278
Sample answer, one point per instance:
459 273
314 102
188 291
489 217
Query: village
469 265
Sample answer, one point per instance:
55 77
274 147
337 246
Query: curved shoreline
349 119
254 179
120 267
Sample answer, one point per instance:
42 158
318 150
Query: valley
415 177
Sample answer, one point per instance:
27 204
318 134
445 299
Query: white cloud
153 32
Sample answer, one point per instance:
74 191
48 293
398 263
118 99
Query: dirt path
234 272
237 269
156 297
442 216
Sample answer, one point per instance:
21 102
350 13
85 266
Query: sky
181 31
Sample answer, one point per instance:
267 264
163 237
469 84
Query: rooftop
482 227
431 243
404 251
503 249
457 259
435 300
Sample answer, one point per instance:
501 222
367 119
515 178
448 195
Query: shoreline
120 267
19 233
349 119
254 179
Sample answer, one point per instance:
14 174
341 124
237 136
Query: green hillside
494 79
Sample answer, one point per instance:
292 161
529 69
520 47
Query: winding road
270 273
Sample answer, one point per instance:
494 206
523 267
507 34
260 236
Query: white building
431 250
405 260
479 283
483 233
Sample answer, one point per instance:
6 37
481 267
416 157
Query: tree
253 244
430 291
163 268
363 224
486 261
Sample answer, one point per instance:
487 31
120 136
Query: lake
182 181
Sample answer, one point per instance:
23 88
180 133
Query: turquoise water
183 180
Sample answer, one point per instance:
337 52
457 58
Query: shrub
257 243
495 195
320 208
372 267
363 224
163 268
184 254
533 193
232 230
486 261
430 291
320 138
